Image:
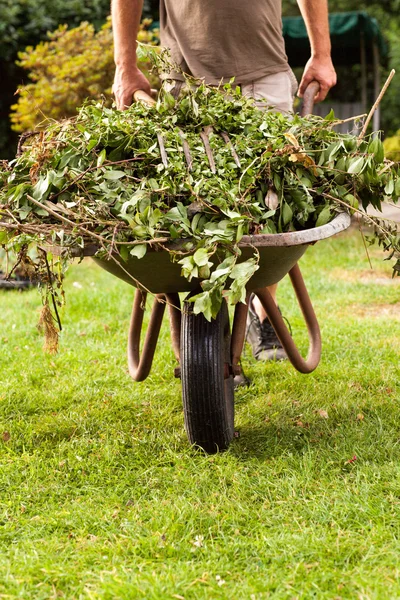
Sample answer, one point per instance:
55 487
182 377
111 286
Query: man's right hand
126 82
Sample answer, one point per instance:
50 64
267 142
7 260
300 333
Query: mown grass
102 497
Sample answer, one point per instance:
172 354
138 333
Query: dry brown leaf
323 414
292 139
271 199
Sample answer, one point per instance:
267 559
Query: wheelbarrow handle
314 335
308 98
142 96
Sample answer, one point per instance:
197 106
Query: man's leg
272 92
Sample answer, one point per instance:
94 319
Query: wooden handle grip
142 96
308 98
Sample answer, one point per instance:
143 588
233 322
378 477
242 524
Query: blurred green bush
75 64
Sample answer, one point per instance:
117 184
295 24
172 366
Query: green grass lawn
102 496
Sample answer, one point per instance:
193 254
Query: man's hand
321 70
126 82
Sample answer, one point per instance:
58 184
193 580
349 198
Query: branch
375 106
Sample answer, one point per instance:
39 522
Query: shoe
262 338
240 380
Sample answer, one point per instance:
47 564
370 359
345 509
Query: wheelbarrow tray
278 253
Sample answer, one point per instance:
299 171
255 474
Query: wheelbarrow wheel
207 382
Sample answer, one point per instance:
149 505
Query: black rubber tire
208 397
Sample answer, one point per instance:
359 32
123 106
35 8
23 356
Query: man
216 40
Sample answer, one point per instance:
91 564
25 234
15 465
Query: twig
9 225
113 240
51 290
64 219
340 121
375 105
365 246
106 163
22 139
356 210
11 215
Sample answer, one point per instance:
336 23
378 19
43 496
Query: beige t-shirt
220 39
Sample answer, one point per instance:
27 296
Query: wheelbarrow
208 353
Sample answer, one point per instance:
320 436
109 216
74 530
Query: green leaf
124 252
389 187
101 157
356 165
277 182
41 189
139 251
397 187
114 175
202 304
222 270
244 270
330 116
323 217
153 184
287 213
200 257
376 148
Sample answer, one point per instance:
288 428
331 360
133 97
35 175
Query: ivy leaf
200 257
114 175
139 251
323 217
202 304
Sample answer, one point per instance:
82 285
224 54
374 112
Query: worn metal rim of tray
291 238
297 238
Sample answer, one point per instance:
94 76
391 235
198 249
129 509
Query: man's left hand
321 70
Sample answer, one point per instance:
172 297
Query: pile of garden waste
122 180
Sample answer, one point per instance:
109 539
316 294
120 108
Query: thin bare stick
340 121
375 105
364 215
206 142
161 144
64 219
365 246
393 204
100 238
9 225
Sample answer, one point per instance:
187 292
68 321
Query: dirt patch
377 311
367 276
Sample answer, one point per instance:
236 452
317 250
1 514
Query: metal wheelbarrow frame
207 353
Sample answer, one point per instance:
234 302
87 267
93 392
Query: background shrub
75 64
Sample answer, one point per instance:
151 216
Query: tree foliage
75 64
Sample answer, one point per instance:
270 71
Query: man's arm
126 15
319 67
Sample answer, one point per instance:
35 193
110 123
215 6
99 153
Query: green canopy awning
346 30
